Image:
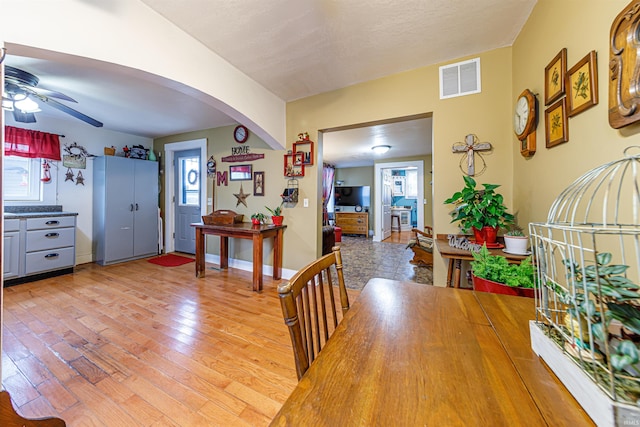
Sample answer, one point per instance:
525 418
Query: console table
243 230
456 256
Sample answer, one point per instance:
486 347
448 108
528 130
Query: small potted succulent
515 241
276 214
258 218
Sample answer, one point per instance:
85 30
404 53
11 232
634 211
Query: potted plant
276 214
258 218
515 241
493 273
480 210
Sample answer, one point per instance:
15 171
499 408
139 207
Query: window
412 184
189 181
21 179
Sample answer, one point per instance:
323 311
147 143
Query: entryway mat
170 260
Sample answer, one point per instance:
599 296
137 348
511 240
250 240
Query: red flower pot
484 285
255 221
486 235
277 220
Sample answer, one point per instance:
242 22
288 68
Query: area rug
170 260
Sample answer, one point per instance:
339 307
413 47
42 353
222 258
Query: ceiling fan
23 96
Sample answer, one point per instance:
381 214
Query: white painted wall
74 197
128 33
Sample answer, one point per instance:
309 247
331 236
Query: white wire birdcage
587 301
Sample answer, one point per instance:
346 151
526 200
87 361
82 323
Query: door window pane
189 181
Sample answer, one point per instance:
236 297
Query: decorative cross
469 147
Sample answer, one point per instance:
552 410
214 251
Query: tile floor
363 259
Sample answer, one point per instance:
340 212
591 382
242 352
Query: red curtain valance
31 143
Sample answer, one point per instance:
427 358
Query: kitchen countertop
9 215
17 212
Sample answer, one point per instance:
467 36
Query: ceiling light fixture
27 105
380 149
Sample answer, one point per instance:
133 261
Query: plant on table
258 218
479 209
276 214
498 269
515 240
607 286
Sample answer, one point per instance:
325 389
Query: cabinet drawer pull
53 255
52 235
52 222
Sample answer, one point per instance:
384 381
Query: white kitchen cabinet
37 243
125 209
11 248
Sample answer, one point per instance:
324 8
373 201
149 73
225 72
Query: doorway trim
169 187
377 209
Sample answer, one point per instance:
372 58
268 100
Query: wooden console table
243 230
456 256
407 354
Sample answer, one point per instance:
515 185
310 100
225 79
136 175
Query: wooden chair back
10 418
309 307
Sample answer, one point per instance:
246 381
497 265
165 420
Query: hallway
364 259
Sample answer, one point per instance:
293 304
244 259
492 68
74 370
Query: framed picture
240 173
293 164
306 149
556 125
258 183
554 77
582 85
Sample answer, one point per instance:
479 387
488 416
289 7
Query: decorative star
79 178
242 198
69 175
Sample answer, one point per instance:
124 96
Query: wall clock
525 121
240 134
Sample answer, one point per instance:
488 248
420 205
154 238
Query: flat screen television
352 196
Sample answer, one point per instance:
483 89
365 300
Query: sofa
328 239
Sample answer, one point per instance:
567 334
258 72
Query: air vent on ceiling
461 78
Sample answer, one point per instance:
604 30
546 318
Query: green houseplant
498 276
276 214
479 210
258 218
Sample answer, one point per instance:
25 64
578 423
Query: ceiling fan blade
78 115
52 93
21 117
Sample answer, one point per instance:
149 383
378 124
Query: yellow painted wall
580 26
219 144
487 114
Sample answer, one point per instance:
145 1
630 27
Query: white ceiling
294 48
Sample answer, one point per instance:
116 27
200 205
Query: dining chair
10 418
309 306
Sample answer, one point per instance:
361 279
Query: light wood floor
399 237
137 344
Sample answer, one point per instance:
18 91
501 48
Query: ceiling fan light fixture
380 149
27 105
7 103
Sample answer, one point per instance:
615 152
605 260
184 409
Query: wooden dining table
408 354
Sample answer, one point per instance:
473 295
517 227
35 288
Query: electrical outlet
305 203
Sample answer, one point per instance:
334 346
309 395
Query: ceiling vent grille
461 78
